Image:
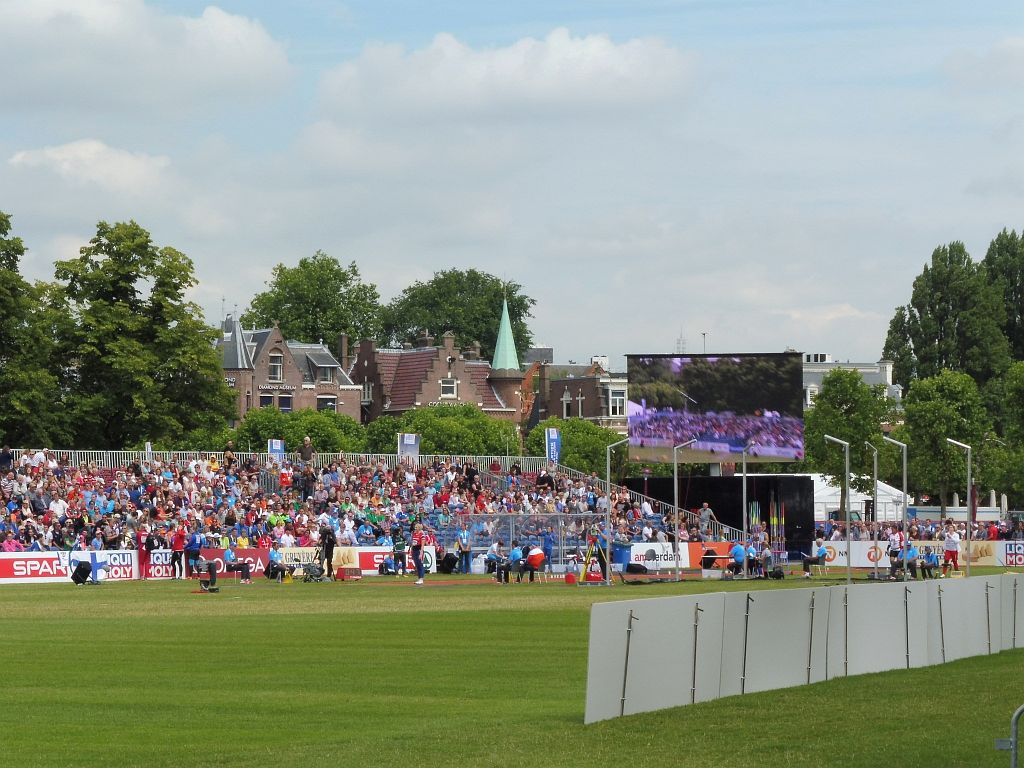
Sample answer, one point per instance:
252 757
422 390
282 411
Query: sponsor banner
656 556
256 558
409 446
866 554
553 441
368 559
50 567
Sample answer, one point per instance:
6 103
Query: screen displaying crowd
722 403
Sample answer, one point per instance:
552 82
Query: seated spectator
232 565
275 562
907 556
737 555
929 563
532 563
816 557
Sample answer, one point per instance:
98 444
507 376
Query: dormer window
449 388
326 375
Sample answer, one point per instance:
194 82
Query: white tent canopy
827 498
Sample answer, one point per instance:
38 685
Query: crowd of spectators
227 501
926 530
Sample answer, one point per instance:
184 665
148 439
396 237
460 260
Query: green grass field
381 672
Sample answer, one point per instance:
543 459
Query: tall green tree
944 406
139 360
849 409
465 302
954 321
1004 267
30 414
317 300
584 445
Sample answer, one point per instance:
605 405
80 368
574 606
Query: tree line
958 353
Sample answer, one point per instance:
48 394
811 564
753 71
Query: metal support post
810 640
846 495
697 611
942 628
675 499
903 451
625 665
746 633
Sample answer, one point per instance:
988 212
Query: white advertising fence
667 652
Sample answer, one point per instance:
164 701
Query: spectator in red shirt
178 538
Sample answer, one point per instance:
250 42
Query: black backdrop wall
725 496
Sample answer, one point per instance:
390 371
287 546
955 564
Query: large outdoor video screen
724 402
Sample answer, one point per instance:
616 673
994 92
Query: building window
617 403
276 367
284 403
812 392
327 403
449 387
326 375
266 401
566 404
367 391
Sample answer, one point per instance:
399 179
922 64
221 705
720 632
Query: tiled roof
478 372
234 351
402 373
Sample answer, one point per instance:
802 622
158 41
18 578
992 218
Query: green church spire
505 357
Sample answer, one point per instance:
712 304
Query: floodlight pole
874 493
743 541
846 494
970 500
906 532
675 493
607 514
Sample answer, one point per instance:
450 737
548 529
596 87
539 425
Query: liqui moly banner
51 567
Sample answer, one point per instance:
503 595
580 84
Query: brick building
393 381
266 370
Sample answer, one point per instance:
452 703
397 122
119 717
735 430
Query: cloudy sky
770 174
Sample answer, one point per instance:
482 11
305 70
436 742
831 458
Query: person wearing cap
908 556
817 558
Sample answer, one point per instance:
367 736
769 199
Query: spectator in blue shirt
908 555
737 553
817 557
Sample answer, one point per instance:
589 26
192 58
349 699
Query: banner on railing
368 559
51 567
868 554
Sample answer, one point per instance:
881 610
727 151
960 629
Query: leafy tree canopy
317 300
850 410
140 361
465 302
328 431
453 429
944 406
954 321
28 389
1004 267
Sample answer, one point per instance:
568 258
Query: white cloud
1001 66
560 74
91 54
89 162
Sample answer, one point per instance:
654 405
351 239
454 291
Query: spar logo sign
1015 554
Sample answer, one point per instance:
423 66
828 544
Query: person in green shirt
400 545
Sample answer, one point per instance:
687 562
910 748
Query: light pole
743 541
970 500
675 493
874 499
846 495
608 513
903 451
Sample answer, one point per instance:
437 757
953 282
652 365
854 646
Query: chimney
542 388
424 339
343 351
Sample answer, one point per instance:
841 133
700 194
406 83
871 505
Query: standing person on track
178 537
419 540
399 545
142 539
464 544
950 550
